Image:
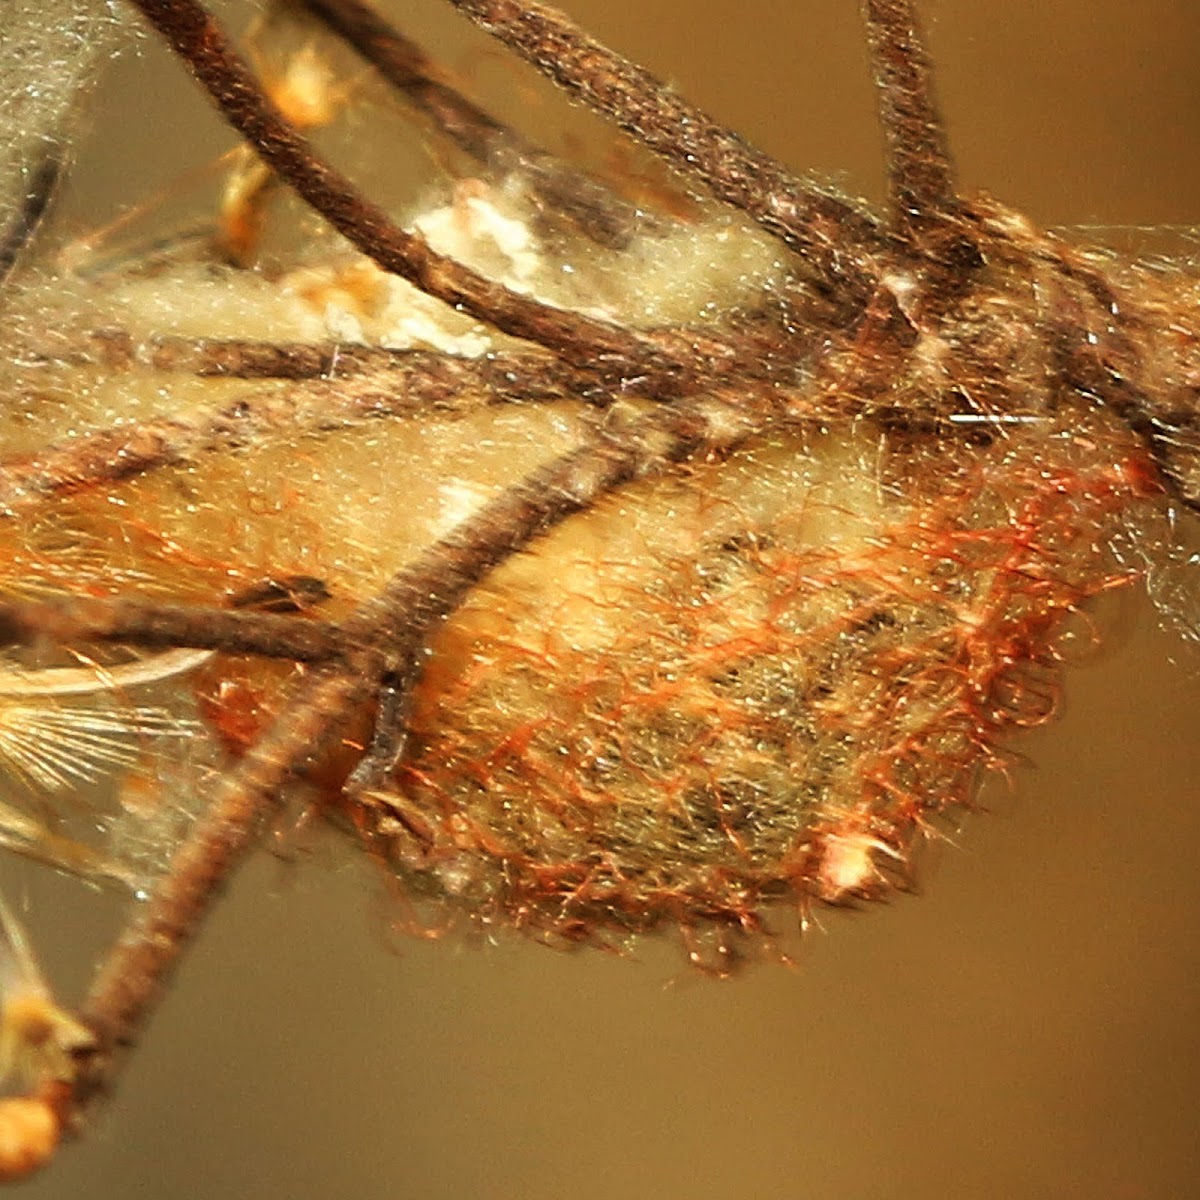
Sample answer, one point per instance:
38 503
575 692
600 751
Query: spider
805 705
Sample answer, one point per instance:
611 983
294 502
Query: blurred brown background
1026 1028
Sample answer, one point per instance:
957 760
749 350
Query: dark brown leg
835 238
386 630
920 173
377 384
193 34
152 625
564 191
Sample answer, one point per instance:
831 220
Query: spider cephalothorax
686 568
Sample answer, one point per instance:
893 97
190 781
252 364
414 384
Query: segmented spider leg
151 625
197 38
134 974
919 168
437 582
619 452
564 190
378 384
522 375
834 237
389 628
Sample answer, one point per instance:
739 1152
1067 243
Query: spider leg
919 167
132 978
194 34
563 190
389 628
377 384
834 237
152 625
